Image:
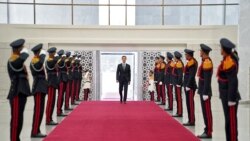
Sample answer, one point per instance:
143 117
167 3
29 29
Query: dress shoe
176 115
204 136
52 123
68 109
188 124
39 135
168 109
62 115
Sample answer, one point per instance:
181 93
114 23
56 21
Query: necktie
123 65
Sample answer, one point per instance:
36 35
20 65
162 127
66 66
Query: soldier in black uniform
205 73
168 80
178 82
74 80
228 88
190 85
79 77
39 89
156 72
63 78
161 79
51 67
19 87
69 82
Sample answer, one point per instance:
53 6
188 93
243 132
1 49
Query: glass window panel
54 1
86 15
131 15
3 13
53 14
103 15
182 15
144 2
22 1
233 1
21 14
148 15
212 15
117 15
91 1
117 1
3 0
213 1
181 1
232 14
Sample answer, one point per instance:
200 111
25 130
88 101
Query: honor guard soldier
178 82
63 78
77 72
69 82
168 79
156 72
19 87
74 80
190 85
205 73
228 88
79 77
39 89
51 68
161 79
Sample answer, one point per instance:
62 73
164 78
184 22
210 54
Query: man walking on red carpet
123 76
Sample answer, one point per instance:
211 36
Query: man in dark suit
123 76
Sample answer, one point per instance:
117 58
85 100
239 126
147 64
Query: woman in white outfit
151 86
87 85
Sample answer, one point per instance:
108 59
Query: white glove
56 55
72 53
205 97
160 83
230 103
178 85
64 55
187 89
24 50
79 59
42 52
170 84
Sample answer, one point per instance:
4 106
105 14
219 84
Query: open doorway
108 66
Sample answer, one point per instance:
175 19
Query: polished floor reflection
218 133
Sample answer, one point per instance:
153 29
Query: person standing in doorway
151 85
123 77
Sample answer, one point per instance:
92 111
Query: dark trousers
50 103
86 94
60 98
77 89
207 115
178 98
162 93
190 105
231 123
73 91
123 84
170 96
157 92
68 94
39 99
152 96
17 106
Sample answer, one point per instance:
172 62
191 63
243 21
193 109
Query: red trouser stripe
179 101
170 96
49 102
59 100
209 116
67 95
37 113
73 92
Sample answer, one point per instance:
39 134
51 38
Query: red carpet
112 121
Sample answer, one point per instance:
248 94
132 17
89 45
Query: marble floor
218 134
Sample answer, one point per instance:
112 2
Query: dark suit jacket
123 75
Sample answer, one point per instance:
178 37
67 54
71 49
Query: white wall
114 39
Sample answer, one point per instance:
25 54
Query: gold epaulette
59 60
172 64
35 60
228 63
158 65
50 59
179 65
66 60
190 62
163 65
207 64
13 57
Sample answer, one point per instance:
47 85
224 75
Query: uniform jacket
177 73
51 68
62 71
168 75
161 72
205 73
18 76
190 73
